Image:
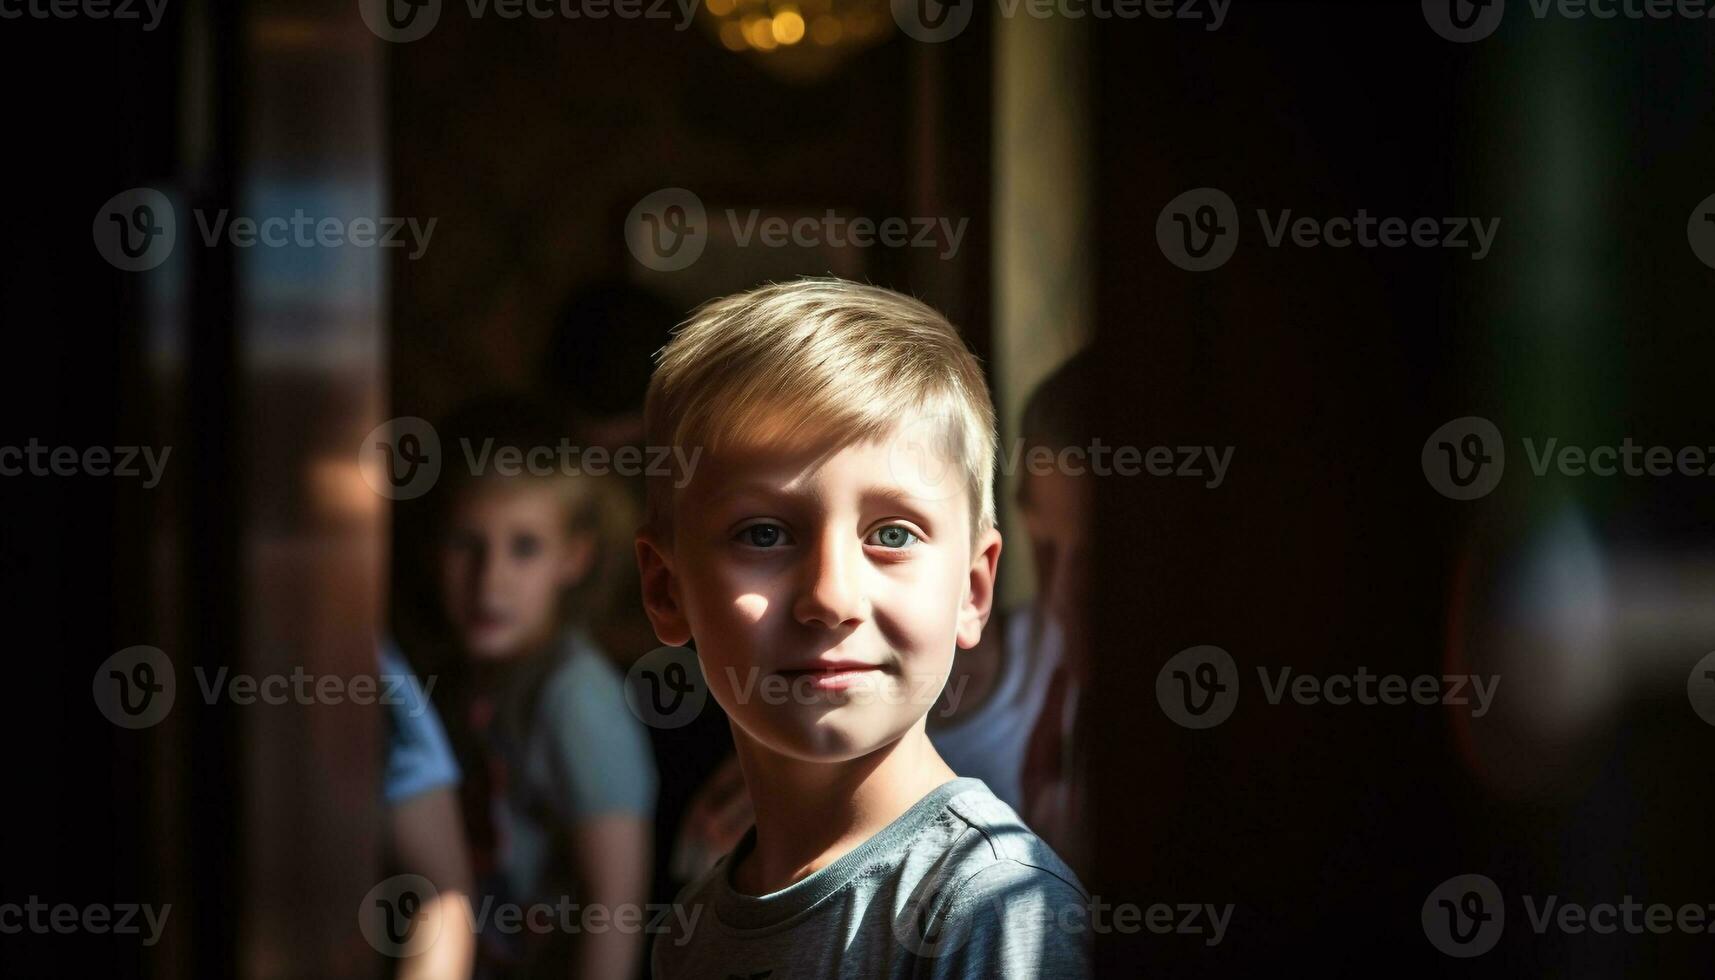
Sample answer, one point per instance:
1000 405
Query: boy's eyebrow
877 492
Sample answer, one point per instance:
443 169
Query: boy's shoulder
986 838
957 886
1000 899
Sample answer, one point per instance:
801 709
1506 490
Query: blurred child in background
1058 510
561 786
999 691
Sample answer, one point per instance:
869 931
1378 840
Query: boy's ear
979 591
661 593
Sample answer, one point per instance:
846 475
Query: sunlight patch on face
751 606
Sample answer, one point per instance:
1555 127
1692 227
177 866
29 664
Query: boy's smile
826 592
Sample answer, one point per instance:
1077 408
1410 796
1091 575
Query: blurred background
570 187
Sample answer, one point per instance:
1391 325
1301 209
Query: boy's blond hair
818 361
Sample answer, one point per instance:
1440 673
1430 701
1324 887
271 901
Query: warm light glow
759 31
788 26
797 40
338 488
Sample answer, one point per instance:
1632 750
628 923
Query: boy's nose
833 596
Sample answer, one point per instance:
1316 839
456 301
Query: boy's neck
809 814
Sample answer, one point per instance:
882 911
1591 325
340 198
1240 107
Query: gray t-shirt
957 886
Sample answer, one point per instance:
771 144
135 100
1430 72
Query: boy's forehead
894 463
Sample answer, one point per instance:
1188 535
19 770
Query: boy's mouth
831 675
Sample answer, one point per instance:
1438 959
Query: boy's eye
526 546
764 535
895 536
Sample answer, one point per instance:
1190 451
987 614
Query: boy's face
826 595
505 558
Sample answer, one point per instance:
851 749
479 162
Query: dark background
1325 369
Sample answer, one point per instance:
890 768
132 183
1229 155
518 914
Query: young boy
832 544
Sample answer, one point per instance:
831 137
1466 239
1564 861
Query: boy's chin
825 739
